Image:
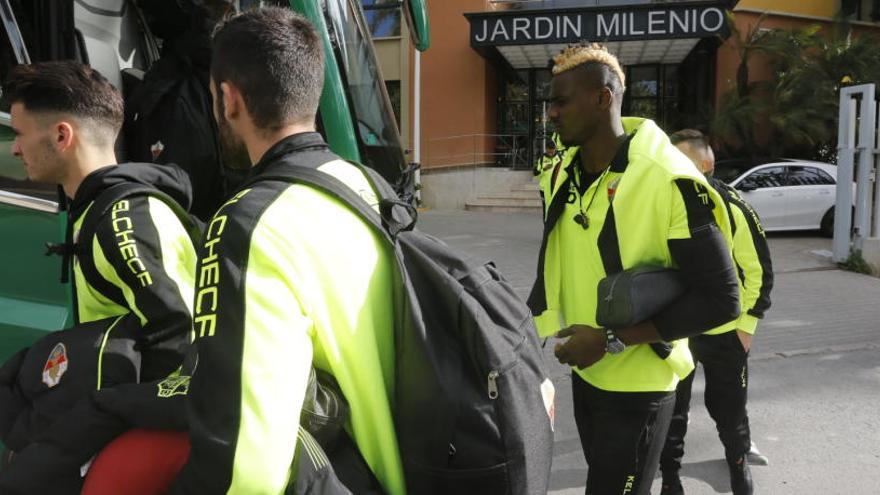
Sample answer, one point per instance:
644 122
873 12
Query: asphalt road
815 370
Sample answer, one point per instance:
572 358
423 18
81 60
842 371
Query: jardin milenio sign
609 24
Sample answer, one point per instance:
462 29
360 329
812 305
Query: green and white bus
355 117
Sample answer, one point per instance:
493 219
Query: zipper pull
493 387
610 295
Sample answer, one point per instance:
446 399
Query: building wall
816 8
728 56
781 14
459 90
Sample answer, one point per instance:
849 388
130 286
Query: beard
233 152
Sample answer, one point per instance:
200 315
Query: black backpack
169 119
473 406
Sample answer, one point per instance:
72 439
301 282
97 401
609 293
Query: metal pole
867 129
875 176
417 122
845 151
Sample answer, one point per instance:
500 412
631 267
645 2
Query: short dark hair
68 87
275 58
691 136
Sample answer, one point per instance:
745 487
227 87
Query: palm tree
806 94
799 105
753 41
738 111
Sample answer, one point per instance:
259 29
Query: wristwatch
613 345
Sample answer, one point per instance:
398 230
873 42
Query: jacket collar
621 157
293 143
618 163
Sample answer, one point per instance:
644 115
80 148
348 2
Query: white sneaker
756 458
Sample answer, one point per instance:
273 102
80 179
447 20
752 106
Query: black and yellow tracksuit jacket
545 163
133 277
650 207
288 277
143 259
751 254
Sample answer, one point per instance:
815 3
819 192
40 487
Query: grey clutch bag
636 295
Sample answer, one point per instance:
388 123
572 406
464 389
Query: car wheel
827 224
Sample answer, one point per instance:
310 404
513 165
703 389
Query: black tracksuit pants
725 364
622 434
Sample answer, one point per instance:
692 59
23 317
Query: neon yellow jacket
752 256
144 259
288 278
656 195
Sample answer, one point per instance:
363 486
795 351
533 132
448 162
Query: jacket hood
170 179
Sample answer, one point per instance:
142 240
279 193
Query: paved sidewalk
815 373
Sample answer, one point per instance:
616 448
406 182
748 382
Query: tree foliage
794 113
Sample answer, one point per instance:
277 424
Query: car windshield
375 125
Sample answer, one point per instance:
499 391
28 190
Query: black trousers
725 364
622 435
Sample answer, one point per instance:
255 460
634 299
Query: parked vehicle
787 194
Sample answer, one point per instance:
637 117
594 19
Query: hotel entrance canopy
647 33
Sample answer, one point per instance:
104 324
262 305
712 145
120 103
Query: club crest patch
173 385
612 188
55 366
156 149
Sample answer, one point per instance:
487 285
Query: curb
818 350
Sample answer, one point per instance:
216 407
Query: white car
787 194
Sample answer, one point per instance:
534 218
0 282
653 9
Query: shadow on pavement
712 472
567 447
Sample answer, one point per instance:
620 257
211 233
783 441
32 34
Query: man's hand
745 339
585 346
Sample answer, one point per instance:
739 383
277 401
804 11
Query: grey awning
628 52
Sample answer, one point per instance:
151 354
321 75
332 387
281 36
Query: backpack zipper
493 387
491 384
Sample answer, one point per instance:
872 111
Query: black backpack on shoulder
169 119
473 403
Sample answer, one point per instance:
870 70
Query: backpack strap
395 216
99 207
398 215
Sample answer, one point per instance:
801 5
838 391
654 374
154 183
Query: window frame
751 173
823 175
391 5
18 46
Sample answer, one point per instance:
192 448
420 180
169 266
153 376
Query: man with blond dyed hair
624 198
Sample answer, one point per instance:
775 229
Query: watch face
614 346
